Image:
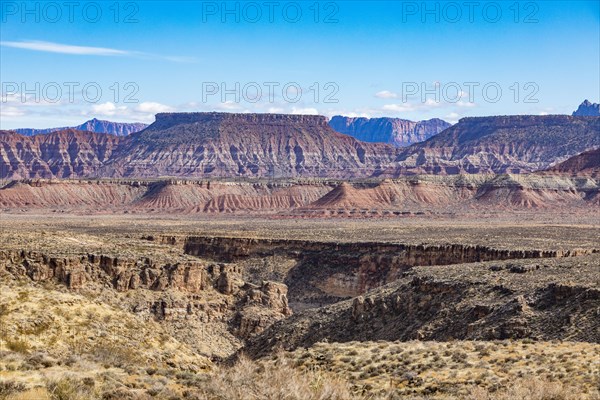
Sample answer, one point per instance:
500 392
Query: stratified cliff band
283 146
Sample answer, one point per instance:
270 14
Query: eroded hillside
80 295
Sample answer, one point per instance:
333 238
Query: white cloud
305 111
64 48
11 112
386 94
399 107
61 48
452 117
432 103
108 109
228 105
153 107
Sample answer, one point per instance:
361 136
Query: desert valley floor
125 305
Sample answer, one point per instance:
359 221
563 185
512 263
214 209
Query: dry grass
530 389
121 234
355 371
437 369
60 345
274 380
61 325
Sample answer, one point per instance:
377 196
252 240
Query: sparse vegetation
86 343
457 368
17 345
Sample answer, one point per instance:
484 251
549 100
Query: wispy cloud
50 47
144 111
386 94
61 48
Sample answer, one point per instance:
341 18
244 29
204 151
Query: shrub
7 388
17 345
273 380
531 389
68 388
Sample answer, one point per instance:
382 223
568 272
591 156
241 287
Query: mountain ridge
396 131
93 125
502 144
587 109
287 146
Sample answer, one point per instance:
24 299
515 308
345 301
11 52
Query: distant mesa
395 131
501 144
286 146
93 125
587 109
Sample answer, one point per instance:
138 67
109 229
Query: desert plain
119 305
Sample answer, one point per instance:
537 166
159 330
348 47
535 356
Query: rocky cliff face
65 154
191 293
323 272
507 144
93 125
583 164
277 146
587 109
270 145
394 131
482 301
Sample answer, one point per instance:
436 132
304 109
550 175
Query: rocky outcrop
483 301
201 145
291 146
93 125
395 131
181 292
325 272
503 144
583 164
252 318
587 109
64 154
268 145
121 274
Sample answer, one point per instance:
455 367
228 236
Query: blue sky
413 60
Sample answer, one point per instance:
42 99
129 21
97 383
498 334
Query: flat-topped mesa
516 121
166 120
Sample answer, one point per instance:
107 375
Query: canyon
195 291
211 248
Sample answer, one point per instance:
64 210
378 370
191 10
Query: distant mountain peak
396 131
93 125
587 109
